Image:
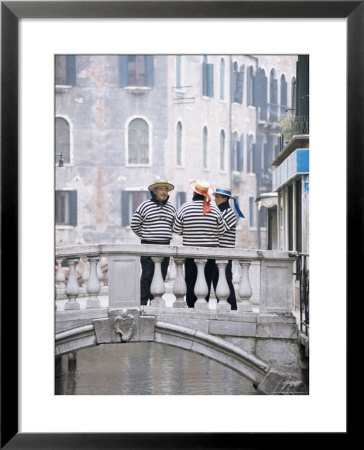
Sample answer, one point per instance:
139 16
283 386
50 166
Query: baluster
201 288
100 274
72 288
245 290
60 278
172 270
222 288
157 288
85 272
93 285
179 285
236 277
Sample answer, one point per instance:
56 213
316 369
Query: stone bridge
259 340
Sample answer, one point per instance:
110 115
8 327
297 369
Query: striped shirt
228 238
153 222
197 229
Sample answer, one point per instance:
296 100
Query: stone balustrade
275 283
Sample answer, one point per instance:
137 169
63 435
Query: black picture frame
11 12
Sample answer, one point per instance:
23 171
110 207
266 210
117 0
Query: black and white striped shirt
153 222
228 238
197 229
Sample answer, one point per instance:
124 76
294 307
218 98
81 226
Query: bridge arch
213 347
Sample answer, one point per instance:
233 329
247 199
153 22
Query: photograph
172 173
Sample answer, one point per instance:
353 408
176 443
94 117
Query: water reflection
147 369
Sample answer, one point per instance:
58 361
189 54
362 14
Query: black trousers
191 276
229 278
147 277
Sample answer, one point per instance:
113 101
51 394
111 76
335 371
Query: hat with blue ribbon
228 193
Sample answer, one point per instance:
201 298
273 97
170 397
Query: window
180 199
237 152
260 93
207 78
234 151
63 139
138 142
283 95
65 70
179 144
293 93
136 70
178 71
66 208
222 79
222 150
266 157
251 212
250 154
130 200
250 87
237 83
273 96
204 148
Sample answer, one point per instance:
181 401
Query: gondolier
227 240
200 224
152 222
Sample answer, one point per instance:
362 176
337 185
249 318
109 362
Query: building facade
122 121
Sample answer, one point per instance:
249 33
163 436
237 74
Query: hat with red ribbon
202 187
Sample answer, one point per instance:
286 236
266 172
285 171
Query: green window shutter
71 70
283 92
210 80
232 153
256 155
263 106
266 157
73 208
302 86
258 88
240 155
124 208
149 61
238 98
204 79
123 70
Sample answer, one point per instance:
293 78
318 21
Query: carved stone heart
125 325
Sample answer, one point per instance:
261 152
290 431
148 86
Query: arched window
273 96
250 155
204 148
222 150
222 79
179 144
234 151
138 142
178 71
237 82
250 86
260 93
293 93
283 95
63 140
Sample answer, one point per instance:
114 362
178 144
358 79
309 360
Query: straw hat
223 191
201 187
160 183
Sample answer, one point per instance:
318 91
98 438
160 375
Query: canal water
147 369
